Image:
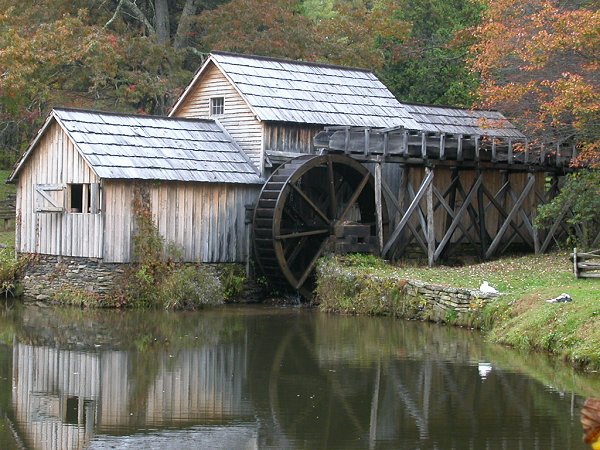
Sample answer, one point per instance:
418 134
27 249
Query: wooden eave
52 117
190 87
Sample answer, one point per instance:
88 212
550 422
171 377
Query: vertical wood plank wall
285 137
56 161
238 119
207 221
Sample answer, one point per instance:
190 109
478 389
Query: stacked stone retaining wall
48 275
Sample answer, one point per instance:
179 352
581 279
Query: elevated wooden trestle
442 191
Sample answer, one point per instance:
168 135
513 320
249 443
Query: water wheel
305 209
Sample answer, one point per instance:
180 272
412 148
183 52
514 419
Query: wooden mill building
243 118
76 185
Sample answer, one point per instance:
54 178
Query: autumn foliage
538 62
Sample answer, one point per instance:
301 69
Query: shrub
11 268
156 279
191 287
233 279
581 193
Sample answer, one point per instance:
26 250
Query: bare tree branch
135 12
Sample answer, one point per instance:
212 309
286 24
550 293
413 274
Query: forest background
534 60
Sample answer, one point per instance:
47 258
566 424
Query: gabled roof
119 146
282 90
446 119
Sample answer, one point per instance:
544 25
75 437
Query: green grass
7 238
521 317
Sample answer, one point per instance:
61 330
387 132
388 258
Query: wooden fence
586 265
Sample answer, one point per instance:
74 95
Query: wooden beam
459 149
378 208
481 218
450 217
458 216
430 222
411 208
554 227
423 144
511 215
502 211
399 206
442 146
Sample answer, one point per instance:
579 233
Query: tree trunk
161 21
185 23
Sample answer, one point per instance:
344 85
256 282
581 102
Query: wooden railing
586 265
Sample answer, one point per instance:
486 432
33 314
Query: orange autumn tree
539 62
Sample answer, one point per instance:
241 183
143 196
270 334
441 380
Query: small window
84 198
217 106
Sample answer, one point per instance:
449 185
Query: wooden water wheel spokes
299 210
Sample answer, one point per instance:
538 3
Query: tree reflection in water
252 377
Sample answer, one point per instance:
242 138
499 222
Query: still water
242 377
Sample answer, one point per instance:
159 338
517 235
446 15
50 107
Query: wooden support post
442 146
430 222
347 140
494 158
386 143
481 217
459 149
423 144
367 141
451 201
477 148
511 215
405 143
510 152
526 151
378 207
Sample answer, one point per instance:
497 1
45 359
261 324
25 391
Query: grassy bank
520 317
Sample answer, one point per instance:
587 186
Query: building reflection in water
277 379
63 398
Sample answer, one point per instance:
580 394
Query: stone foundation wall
48 274
447 299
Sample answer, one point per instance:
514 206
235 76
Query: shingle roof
301 92
122 146
462 121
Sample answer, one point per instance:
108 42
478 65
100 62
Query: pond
247 377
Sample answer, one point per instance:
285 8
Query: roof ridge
290 61
429 105
139 116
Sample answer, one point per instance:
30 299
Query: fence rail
586 264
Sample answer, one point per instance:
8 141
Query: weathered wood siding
288 137
207 221
238 119
56 162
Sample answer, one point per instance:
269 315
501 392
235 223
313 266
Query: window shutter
49 198
95 198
